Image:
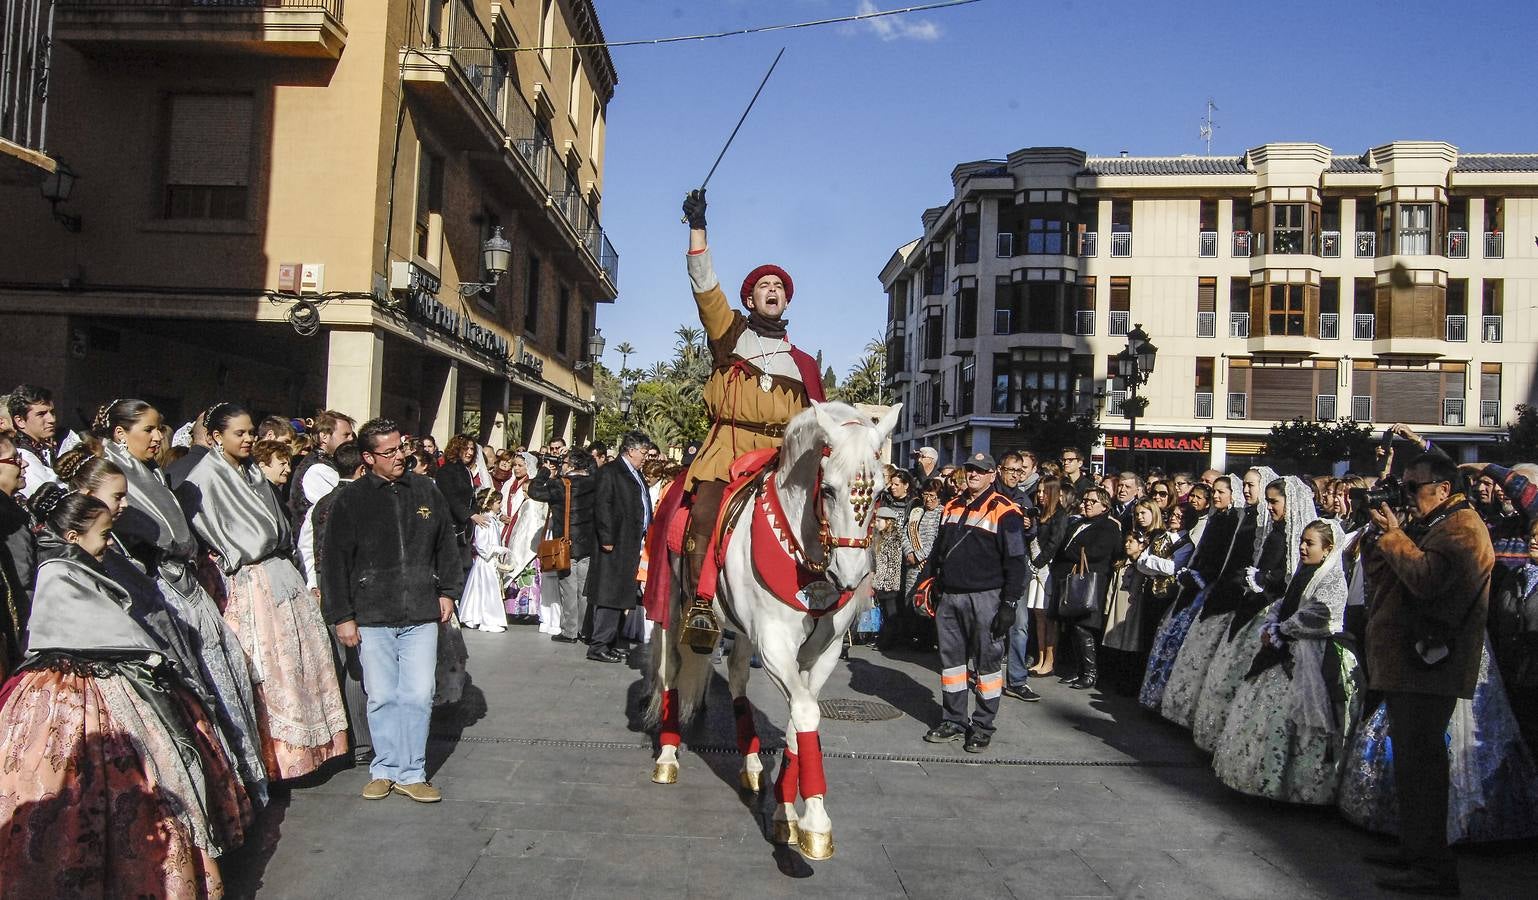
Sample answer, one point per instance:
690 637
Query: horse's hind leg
751 776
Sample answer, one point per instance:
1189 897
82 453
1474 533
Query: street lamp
1135 365
626 400
57 187
495 254
595 345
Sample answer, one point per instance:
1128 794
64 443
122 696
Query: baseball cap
982 462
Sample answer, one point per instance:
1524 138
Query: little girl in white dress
480 606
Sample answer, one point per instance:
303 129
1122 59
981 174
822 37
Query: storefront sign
529 362
424 307
1174 442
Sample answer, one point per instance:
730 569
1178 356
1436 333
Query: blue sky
858 130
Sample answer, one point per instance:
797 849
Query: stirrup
701 632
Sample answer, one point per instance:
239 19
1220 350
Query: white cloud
901 27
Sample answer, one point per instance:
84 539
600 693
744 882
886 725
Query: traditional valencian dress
113 777
154 531
280 627
1265 582
1290 724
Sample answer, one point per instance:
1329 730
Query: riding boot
701 631
1084 637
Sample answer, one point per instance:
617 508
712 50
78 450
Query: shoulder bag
1082 591
555 553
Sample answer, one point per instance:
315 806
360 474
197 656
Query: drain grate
846 710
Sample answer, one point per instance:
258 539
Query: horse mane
804 441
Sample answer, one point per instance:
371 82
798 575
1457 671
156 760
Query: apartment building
1396 285
388 207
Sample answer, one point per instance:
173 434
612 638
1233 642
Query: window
1206 307
1121 216
531 297
1207 215
1084 311
1027 378
547 32
1415 228
433 23
208 156
934 272
966 313
587 330
1121 305
1205 369
1285 310
429 214
968 237
574 99
597 136
563 321
1287 228
966 386
1044 235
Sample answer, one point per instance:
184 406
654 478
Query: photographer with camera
1430 584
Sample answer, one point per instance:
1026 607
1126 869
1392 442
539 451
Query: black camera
1389 489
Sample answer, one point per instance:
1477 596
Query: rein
861 497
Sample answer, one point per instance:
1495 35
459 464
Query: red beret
760 272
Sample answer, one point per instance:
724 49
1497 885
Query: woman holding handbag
1081 573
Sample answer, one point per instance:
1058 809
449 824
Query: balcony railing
1243 244
1366 244
1121 243
1238 325
1084 321
1363 325
1203 408
1206 324
1491 329
1361 407
1207 244
1489 414
1329 243
1452 411
1329 326
1238 406
1004 246
1089 243
1324 407
1114 406
1457 328
26 33
1121 322
1495 245
1457 245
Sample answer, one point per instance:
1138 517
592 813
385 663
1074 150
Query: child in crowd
480 606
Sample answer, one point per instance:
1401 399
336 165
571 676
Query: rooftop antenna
1208 124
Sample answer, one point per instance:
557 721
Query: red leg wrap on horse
669 736
813 784
747 735
785 788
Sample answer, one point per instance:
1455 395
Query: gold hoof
665 773
816 844
752 782
786 832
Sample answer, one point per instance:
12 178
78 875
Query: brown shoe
421 792
378 789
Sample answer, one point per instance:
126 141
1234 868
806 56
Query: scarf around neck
153 513
763 326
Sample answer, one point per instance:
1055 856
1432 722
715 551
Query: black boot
1088 664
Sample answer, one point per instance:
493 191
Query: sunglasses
1161 493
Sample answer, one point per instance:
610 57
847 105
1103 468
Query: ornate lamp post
1135 365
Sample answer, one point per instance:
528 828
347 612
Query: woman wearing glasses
1098 539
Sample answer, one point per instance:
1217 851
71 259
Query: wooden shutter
1278 394
1121 294
1409 396
209 140
1206 295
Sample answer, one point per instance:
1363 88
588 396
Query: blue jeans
1018 668
400 667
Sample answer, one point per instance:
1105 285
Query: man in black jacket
979 566
551 489
390 575
620 517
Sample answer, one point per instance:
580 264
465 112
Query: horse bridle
862 497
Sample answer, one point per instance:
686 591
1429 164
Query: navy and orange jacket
981 547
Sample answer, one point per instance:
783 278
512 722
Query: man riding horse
758 381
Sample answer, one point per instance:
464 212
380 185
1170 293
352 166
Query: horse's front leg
751 776
816 837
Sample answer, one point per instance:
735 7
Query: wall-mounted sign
423 306
529 362
1179 443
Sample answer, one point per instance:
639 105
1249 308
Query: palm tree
625 351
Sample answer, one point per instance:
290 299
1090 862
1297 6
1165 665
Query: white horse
819 502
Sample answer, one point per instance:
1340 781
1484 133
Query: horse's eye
829 492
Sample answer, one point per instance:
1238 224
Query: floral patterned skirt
1161 655
1263 752
98 802
1191 667
522 596
1224 675
1493 784
299 706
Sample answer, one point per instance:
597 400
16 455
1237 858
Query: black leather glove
1003 620
694 209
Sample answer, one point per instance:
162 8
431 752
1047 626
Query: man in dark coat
621 513
1430 585
550 488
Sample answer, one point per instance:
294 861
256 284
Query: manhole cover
857 710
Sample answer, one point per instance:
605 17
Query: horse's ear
885 426
824 421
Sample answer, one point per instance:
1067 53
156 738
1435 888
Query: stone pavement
545 772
